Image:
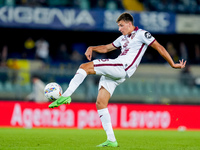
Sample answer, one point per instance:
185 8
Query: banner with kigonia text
82 20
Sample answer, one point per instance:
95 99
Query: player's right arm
100 49
150 40
163 52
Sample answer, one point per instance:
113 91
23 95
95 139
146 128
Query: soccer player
133 43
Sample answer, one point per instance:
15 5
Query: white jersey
133 47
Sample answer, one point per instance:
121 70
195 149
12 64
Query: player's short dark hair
125 17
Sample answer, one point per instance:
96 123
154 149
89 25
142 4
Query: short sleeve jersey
133 47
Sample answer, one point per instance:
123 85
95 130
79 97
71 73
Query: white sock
106 123
75 82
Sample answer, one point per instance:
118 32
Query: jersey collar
135 30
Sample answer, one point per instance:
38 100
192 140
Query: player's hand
88 53
180 65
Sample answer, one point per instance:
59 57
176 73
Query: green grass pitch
87 139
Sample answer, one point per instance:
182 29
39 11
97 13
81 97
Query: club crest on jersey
132 35
124 39
147 35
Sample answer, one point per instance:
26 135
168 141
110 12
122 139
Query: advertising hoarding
84 115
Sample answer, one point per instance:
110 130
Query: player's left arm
100 49
163 52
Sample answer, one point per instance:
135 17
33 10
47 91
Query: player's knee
88 68
82 66
100 105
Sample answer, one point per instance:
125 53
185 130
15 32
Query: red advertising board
84 115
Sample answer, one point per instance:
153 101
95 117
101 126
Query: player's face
124 27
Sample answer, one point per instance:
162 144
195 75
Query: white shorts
112 71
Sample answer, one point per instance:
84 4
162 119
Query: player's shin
106 123
75 82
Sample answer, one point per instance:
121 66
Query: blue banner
156 22
89 20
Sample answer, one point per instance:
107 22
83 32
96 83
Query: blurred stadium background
48 38
68 27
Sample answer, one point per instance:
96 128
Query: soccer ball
52 91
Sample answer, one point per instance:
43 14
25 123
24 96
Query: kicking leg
101 104
82 72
